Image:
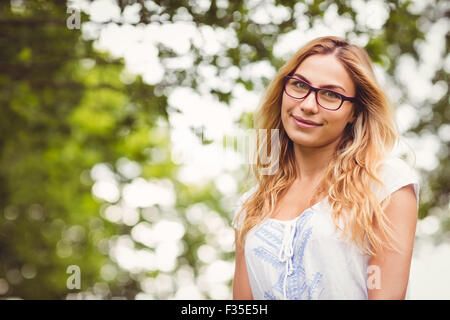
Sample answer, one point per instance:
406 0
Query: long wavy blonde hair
347 180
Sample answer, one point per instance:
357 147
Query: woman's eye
331 94
300 85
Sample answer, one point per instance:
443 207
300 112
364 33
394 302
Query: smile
305 125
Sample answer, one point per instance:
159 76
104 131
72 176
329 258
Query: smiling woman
324 71
337 219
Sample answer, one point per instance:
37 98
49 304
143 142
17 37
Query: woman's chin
305 142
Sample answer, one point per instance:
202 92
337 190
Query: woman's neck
311 162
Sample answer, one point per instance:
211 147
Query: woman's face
319 71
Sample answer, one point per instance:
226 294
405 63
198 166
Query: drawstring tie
286 252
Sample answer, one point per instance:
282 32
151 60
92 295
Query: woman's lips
305 125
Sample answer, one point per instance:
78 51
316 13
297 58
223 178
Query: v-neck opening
301 214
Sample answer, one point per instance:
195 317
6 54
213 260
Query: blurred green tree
65 109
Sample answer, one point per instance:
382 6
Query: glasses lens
329 99
296 88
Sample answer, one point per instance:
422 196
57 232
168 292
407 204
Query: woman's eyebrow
327 86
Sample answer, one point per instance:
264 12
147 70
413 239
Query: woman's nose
309 103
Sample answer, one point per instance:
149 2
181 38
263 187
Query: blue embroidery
271 234
269 296
267 256
297 285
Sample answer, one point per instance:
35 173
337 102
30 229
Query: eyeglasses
327 99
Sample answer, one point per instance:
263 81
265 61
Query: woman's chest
294 202
312 229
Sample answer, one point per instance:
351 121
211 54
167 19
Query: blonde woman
337 219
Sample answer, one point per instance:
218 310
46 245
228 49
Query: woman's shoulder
244 197
395 174
394 168
248 193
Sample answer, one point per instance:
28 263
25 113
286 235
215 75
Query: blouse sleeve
236 223
396 173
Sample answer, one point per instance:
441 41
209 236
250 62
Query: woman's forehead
322 70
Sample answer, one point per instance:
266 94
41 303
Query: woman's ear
355 113
352 119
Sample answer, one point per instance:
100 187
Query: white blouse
307 257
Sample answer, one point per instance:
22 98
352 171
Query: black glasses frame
316 90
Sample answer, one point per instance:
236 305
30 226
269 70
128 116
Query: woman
337 219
